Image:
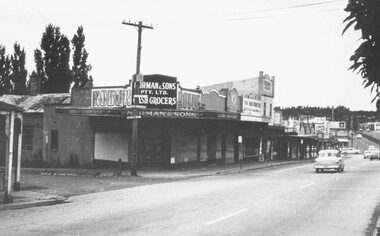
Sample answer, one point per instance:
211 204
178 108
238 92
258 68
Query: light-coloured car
350 150
372 153
367 154
375 154
329 159
359 136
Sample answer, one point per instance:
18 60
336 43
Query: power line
274 16
284 8
295 6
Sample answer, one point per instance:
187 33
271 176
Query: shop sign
337 124
267 85
111 97
187 114
251 110
189 100
156 94
342 133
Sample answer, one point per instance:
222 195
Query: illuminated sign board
156 94
111 97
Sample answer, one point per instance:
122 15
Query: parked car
372 153
350 150
329 159
359 136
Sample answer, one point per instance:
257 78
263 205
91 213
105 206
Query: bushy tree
364 15
55 57
80 68
5 72
19 73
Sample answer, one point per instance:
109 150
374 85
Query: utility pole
352 131
134 148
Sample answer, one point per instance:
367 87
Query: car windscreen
328 154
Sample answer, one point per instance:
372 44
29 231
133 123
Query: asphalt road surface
292 200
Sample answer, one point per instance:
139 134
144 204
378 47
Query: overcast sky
202 42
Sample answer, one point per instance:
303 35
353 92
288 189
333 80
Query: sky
203 42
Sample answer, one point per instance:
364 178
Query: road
291 200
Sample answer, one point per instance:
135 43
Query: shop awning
343 140
148 113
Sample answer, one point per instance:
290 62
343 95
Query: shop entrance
155 143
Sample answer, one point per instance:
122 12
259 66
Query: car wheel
317 170
342 169
338 170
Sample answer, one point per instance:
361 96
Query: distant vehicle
329 160
375 154
367 154
359 136
367 130
350 150
372 153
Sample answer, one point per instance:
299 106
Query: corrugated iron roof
35 104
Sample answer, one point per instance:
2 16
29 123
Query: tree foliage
80 68
5 72
364 15
52 62
341 113
19 73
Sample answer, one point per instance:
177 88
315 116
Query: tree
5 73
365 16
55 58
38 75
19 73
80 69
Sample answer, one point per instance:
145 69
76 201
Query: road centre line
226 217
307 185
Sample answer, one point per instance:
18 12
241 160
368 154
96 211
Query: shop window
27 138
270 110
265 109
54 140
251 147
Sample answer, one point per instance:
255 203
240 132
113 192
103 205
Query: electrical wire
295 6
285 8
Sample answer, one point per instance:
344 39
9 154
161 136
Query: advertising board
156 94
251 106
337 124
111 97
188 100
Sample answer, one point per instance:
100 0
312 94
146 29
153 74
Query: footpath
42 187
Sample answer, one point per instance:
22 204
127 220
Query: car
329 159
350 150
375 154
367 154
359 136
372 153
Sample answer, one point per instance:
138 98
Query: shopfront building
175 126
